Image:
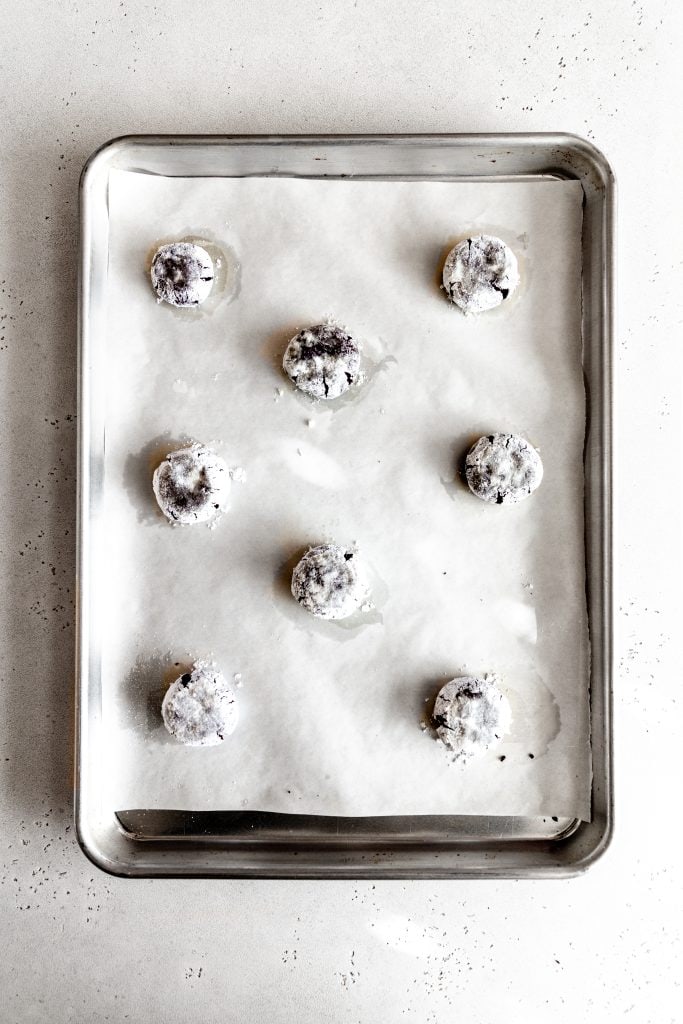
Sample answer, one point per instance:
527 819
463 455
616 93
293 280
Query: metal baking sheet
247 842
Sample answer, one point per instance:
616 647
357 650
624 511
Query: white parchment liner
330 715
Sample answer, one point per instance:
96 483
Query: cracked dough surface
199 709
329 582
182 274
471 715
503 469
480 273
192 485
322 361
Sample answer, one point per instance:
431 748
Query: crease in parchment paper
330 719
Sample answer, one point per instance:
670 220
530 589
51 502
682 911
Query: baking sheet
330 716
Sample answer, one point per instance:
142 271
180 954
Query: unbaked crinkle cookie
192 485
182 274
471 715
199 708
322 361
503 469
329 582
480 273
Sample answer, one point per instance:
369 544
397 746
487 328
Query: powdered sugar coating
329 582
503 469
471 715
322 361
182 274
480 273
199 708
192 485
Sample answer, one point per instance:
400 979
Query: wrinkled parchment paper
331 714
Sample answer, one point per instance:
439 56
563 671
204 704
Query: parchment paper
330 714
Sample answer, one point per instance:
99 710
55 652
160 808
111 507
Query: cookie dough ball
322 361
329 582
192 485
199 708
503 469
480 273
182 274
471 715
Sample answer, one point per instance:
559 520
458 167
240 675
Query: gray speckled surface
78 945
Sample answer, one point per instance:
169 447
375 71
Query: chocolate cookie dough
199 708
503 469
471 715
182 274
322 361
192 485
329 582
480 273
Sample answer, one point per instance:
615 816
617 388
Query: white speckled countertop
81 946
